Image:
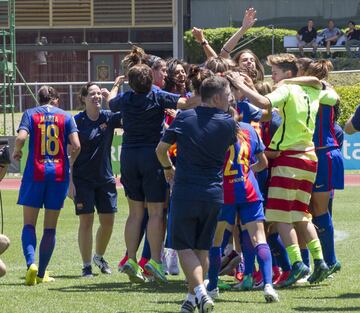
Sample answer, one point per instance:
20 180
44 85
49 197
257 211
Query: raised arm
198 34
116 87
248 21
255 98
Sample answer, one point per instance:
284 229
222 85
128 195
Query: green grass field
113 293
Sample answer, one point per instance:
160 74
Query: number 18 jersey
49 128
240 184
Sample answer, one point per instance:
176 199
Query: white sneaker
270 294
172 262
214 293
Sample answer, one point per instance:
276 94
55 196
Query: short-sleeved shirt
143 115
49 128
240 184
203 136
298 106
355 121
328 33
94 161
307 35
249 112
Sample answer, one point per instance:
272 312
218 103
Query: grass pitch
113 293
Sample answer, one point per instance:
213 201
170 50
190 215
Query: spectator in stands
307 38
352 39
330 35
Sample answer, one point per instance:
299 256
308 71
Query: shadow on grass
345 296
69 276
328 309
125 287
342 296
145 310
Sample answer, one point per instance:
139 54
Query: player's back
240 184
48 128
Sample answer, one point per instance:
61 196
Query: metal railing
68 92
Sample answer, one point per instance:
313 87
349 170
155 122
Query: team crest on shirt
103 126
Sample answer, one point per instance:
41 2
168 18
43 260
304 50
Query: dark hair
46 94
212 86
170 81
84 91
140 78
259 67
352 22
196 76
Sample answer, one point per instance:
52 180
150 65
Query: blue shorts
192 224
330 171
142 175
50 195
89 195
248 212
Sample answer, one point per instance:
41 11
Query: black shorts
142 175
192 224
89 195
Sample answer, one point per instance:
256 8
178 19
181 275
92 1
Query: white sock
98 256
200 291
87 264
191 298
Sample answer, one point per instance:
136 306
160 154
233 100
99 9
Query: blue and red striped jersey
240 184
49 128
324 135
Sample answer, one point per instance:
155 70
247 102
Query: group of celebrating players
206 148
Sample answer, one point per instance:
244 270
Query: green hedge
218 36
349 99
